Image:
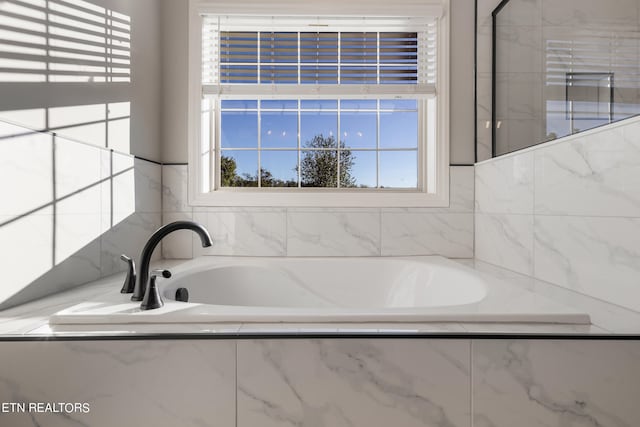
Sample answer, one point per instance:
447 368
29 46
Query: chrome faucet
147 251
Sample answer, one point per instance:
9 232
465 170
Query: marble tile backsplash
69 210
567 212
325 231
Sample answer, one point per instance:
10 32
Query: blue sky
358 121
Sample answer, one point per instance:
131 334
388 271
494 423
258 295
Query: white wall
174 82
69 209
45 105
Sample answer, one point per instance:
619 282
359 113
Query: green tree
319 168
228 171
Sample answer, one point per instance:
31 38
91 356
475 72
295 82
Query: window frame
428 193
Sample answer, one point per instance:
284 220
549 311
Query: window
318 111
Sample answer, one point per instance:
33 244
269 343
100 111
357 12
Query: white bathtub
414 289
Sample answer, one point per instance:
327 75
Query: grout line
236 379
286 232
380 216
533 217
471 374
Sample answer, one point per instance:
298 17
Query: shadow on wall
64 202
61 56
63 197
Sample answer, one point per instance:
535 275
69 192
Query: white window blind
268 54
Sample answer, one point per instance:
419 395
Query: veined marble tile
505 240
596 256
505 185
77 167
461 188
555 383
532 328
446 234
83 266
248 232
614 14
134 329
522 12
353 383
120 199
461 196
598 174
603 315
118 188
518 133
24 262
483 137
133 383
148 187
484 43
523 97
326 233
179 244
174 189
77 250
520 49
483 88
26 170
128 237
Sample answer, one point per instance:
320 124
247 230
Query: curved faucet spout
147 251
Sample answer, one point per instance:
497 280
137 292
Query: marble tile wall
353 383
68 211
323 231
126 383
567 212
555 383
326 382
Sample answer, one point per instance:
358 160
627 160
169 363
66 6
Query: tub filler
326 290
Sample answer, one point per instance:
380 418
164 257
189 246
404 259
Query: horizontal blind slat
293 57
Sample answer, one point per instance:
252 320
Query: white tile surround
79 207
325 231
373 383
327 382
575 219
126 383
555 383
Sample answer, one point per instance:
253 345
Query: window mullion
299 144
259 144
338 136
378 144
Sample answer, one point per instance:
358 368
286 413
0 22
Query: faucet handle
130 281
152 298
